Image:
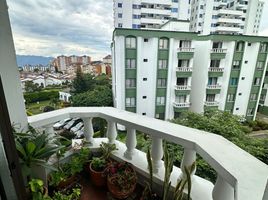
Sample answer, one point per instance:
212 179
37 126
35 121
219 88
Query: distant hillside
33 60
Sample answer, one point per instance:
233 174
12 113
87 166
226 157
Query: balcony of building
182 87
211 103
184 69
214 86
215 69
185 49
218 50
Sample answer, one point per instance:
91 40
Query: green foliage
98 164
48 108
100 96
30 86
74 195
82 82
257 125
107 149
40 96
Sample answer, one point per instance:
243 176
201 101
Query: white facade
201 72
64 96
226 16
148 13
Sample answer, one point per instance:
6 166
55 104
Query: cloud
55 27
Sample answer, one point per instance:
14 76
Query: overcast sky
54 27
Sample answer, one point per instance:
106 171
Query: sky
73 27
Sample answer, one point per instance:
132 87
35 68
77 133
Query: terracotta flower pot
97 178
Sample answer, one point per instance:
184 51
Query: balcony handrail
215 69
235 167
218 50
184 69
182 87
211 103
216 86
185 49
182 105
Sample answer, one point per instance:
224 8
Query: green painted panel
162 54
161 92
255 89
229 105
131 92
249 118
182 92
232 89
266 80
160 109
131 109
185 55
263 110
216 56
258 74
262 57
180 109
264 91
131 53
211 107
213 91
252 104
215 74
238 56
183 74
162 73
235 73
261 102
130 73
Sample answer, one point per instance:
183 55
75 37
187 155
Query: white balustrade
211 103
218 50
182 105
88 129
217 86
182 87
215 69
131 143
157 153
185 49
184 69
240 176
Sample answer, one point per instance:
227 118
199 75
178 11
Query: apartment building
149 13
226 16
162 73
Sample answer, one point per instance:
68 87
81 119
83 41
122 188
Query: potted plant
98 165
121 179
37 190
70 194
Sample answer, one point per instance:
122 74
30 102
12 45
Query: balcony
182 105
215 69
215 87
184 69
218 50
185 49
182 87
211 103
240 175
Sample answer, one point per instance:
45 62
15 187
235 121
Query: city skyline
54 28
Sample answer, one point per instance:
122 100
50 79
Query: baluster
189 157
157 153
111 132
222 190
131 143
49 129
88 130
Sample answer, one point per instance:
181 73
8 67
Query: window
236 108
161 82
181 99
215 63
130 42
240 94
146 40
144 79
120 5
262 98
120 25
131 63
257 81
185 44
136 17
145 60
250 112
120 15
260 65
249 44
217 45
183 63
231 97
210 97
253 97
135 6
175 1
263 47
131 83
233 81
136 26
130 102
174 10
236 64
239 46
182 81
162 64
246 62
144 97
163 43
143 113
212 80
243 78
160 101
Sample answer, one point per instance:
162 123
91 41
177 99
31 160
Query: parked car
61 123
77 127
72 123
80 133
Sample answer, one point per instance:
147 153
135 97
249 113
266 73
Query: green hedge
40 96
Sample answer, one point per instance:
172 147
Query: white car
61 123
71 123
79 133
77 127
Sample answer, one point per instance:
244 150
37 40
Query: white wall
9 71
176 26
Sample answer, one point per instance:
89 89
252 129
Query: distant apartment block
138 14
62 62
162 73
107 59
226 16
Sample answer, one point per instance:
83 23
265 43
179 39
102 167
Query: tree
82 82
30 86
100 96
103 80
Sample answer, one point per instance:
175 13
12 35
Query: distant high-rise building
149 13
